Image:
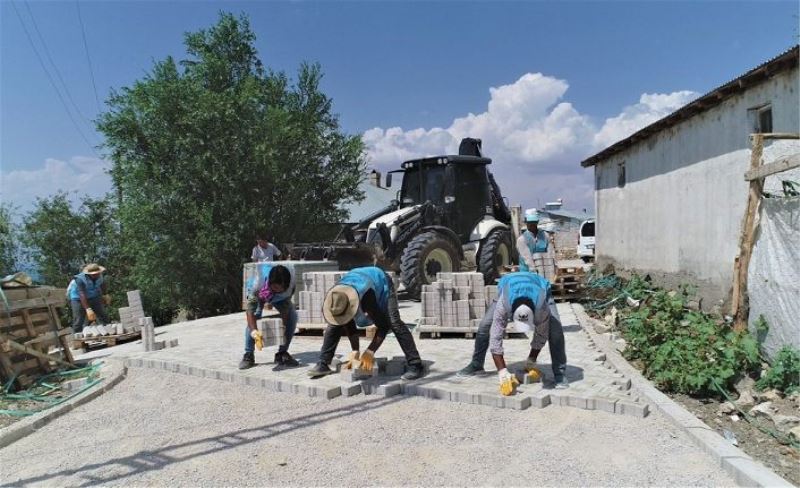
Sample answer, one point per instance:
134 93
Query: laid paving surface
157 429
211 348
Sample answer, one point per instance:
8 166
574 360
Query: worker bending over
362 296
88 296
526 298
276 291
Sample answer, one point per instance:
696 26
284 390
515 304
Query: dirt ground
784 460
164 429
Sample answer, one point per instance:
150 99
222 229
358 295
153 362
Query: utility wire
88 58
53 64
50 78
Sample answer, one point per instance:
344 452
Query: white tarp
774 274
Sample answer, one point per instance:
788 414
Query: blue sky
563 78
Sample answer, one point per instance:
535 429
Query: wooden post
516 222
740 306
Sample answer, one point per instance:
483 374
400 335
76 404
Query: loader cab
458 186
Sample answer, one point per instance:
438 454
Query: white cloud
535 138
651 107
79 176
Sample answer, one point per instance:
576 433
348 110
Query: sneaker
320 369
562 383
248 361
471 370
413 372
288 361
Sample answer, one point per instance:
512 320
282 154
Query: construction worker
88 297
533 243
526 299
276 291
264 250
362 296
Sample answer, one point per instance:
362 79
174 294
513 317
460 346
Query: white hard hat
523 319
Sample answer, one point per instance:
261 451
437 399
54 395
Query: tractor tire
496 252
426 255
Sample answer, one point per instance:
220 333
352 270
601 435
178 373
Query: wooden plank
780 135
32 333
778 166
31 303
739 305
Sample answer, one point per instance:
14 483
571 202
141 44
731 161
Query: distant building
564 224
671 197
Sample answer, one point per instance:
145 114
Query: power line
53 64
88 58
50 78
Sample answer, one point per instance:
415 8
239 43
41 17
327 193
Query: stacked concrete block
148 333
315 287
273 332
131 315
455 300
490 293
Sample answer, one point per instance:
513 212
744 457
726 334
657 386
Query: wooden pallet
87 343
437 332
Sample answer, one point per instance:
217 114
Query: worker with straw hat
364 295
88 298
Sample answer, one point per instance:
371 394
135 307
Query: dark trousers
555 340
79 314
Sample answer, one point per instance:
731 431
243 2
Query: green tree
211 149
8 241
61 239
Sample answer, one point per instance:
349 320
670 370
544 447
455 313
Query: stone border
391 385
115 373
744 469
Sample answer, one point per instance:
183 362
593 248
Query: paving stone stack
149 336
273 332
316 285
455 301
131 315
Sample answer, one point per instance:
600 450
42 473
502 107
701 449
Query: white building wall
679 214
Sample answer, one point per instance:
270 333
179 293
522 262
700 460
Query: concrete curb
115 373
744 469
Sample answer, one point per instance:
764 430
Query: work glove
508 382
367 361
534 373
352 360
256 335
107 299
90 315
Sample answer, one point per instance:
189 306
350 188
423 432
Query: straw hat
93 269
341 305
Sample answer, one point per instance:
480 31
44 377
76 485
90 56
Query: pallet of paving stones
437 332
97 342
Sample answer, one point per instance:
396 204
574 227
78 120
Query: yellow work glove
107 299
367 361
352 360
256 335
508 382
533 372
90 315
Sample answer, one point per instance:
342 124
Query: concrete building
670 198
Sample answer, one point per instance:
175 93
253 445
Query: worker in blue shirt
365 295
88 296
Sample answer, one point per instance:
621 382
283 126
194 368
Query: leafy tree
8 242
211 149
60 240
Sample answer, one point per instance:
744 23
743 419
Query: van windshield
588 229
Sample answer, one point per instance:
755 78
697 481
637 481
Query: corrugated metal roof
567 214
375 198
784 61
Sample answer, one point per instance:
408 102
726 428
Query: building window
621 174
761 119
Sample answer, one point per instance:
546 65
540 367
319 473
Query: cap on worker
532 217
93 268
523 319
341 305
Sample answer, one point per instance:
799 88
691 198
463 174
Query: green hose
41 390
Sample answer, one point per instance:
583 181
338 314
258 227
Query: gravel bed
164 429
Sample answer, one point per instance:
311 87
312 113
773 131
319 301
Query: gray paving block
540 399
491 400
517 402
580 401
183 369
351 389
604 403
714 444
465 397
633 409
351 375
389 389
426 391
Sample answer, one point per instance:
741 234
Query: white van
586 240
